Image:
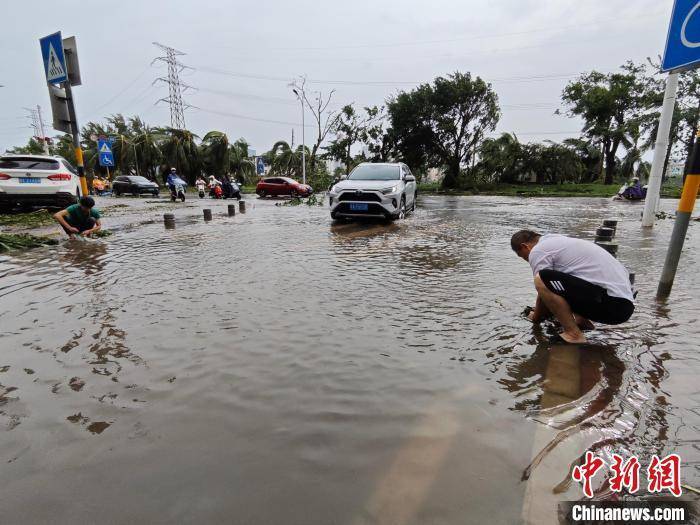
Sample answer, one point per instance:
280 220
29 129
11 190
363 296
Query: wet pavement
274 367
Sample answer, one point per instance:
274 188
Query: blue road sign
54 58
259 166
104 150
683 42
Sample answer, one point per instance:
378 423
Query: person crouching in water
82 218
577 281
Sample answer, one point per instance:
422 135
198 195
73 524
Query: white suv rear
37 180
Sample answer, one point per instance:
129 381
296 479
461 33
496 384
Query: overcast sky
245 53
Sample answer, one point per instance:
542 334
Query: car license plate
358 206
29 180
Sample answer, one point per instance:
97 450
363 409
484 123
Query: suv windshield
28 163
375 172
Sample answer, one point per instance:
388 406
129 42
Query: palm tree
241 165
285 161
146 149
180 151
215 155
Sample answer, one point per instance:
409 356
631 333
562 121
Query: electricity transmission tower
34 117
175 86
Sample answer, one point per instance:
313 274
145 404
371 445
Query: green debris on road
33 219
23 241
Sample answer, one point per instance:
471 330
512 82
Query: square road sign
54 58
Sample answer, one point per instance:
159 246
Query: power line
175 87
120 92
516 79
560 28
245 117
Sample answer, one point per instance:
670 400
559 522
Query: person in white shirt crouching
577 281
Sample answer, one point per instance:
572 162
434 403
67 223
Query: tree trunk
451 175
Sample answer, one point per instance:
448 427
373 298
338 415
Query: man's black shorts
588 299
87 224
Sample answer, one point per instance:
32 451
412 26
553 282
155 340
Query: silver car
384 191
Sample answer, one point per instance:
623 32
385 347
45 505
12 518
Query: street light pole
303 138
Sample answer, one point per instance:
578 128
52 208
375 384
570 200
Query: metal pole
660 150
136 157
680 226
43 132
303 143
75 130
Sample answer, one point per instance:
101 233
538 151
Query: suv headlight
388 191
336 189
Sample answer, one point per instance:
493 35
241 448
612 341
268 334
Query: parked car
135 185
37 180
282 186
386 190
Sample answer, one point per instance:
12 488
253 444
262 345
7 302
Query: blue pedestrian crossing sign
259 166
54 58
683 41
104 152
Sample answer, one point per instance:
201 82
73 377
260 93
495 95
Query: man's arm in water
94 229
539 312
61 219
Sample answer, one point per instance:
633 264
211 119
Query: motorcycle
216 192
177 190
625 193
231 190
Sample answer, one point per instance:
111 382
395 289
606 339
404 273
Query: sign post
104 153
56 68
682 53
680 225
660 151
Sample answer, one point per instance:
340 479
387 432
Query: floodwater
274 367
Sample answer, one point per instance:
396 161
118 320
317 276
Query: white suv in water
386 191
37 180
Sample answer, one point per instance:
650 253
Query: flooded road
274 367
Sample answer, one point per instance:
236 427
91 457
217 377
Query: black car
135 185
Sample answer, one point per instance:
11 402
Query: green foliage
240 163
181 152
612 107
33 147
351 128
27 220
215 153
443 124
22 241
285 162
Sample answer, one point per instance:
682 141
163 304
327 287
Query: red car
282 186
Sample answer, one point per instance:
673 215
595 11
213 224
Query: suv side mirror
409 178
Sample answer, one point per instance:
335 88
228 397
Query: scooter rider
201 185
172 179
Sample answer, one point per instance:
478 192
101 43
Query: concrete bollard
241 206
632 278
207 214
169 220
231 210
609 223
609 247
605 232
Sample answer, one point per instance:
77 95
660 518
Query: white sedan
33 180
